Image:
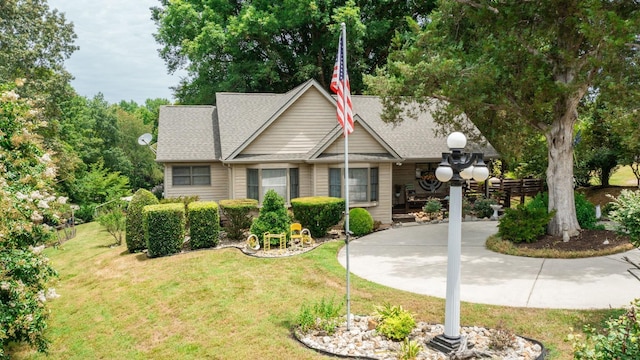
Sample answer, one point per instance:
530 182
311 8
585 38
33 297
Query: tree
27 211
35 43
518 68
267 46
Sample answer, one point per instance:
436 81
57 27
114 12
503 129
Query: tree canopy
517 69
273 46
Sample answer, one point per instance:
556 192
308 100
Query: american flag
340 85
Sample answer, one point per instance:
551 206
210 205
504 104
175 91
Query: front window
363 184
283 181
191 175
274 179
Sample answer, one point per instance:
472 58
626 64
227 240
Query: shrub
395 323
134 225
585 212
432 206
204 223
626 213
318 213
273 217
409 349
323 315
360 222
238 214
525 223
114 221
164 226
618 339
482 207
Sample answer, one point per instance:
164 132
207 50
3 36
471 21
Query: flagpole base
445 344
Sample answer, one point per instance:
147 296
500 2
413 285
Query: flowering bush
626 213
28 210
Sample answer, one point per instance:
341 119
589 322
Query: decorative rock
360 343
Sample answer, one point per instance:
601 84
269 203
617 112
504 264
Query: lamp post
455 167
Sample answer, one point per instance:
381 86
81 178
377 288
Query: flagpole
346 177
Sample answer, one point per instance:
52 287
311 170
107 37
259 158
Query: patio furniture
266 239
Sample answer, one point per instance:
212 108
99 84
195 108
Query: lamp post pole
456 167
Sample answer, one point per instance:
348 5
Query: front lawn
221 304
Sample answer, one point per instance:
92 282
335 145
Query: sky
118 55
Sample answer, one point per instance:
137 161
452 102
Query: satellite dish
145 139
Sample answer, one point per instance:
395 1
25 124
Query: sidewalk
414 258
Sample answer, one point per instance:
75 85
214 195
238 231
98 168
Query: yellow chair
295 231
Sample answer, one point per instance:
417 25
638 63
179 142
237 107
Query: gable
299 128
360 141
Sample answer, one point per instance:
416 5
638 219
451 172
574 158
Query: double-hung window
285 182
191 175
363 184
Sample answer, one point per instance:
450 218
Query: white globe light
480 173
456 140
467 173
444 173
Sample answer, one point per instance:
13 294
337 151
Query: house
293 144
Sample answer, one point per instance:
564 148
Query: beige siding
306 180
360 141
322 180
299 128
380 210
217 191
239 181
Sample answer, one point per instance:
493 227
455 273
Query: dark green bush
204 224
482 207
318 213
585 211
238 213
134 236
432 206
360 222
273 217
525 223
164 226
85 212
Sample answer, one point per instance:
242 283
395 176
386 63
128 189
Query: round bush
482 207
360 222
134 223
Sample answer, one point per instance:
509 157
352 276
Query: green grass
623 177
221 304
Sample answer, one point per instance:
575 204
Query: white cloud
118 55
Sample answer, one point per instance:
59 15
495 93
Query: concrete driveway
413 257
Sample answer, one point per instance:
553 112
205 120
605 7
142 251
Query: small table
266 239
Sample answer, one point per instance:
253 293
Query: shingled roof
187 133
208 133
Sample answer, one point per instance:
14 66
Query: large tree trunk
560 176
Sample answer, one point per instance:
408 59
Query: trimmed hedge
318 213
135 238
238 213
164 227
360 222
204 224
